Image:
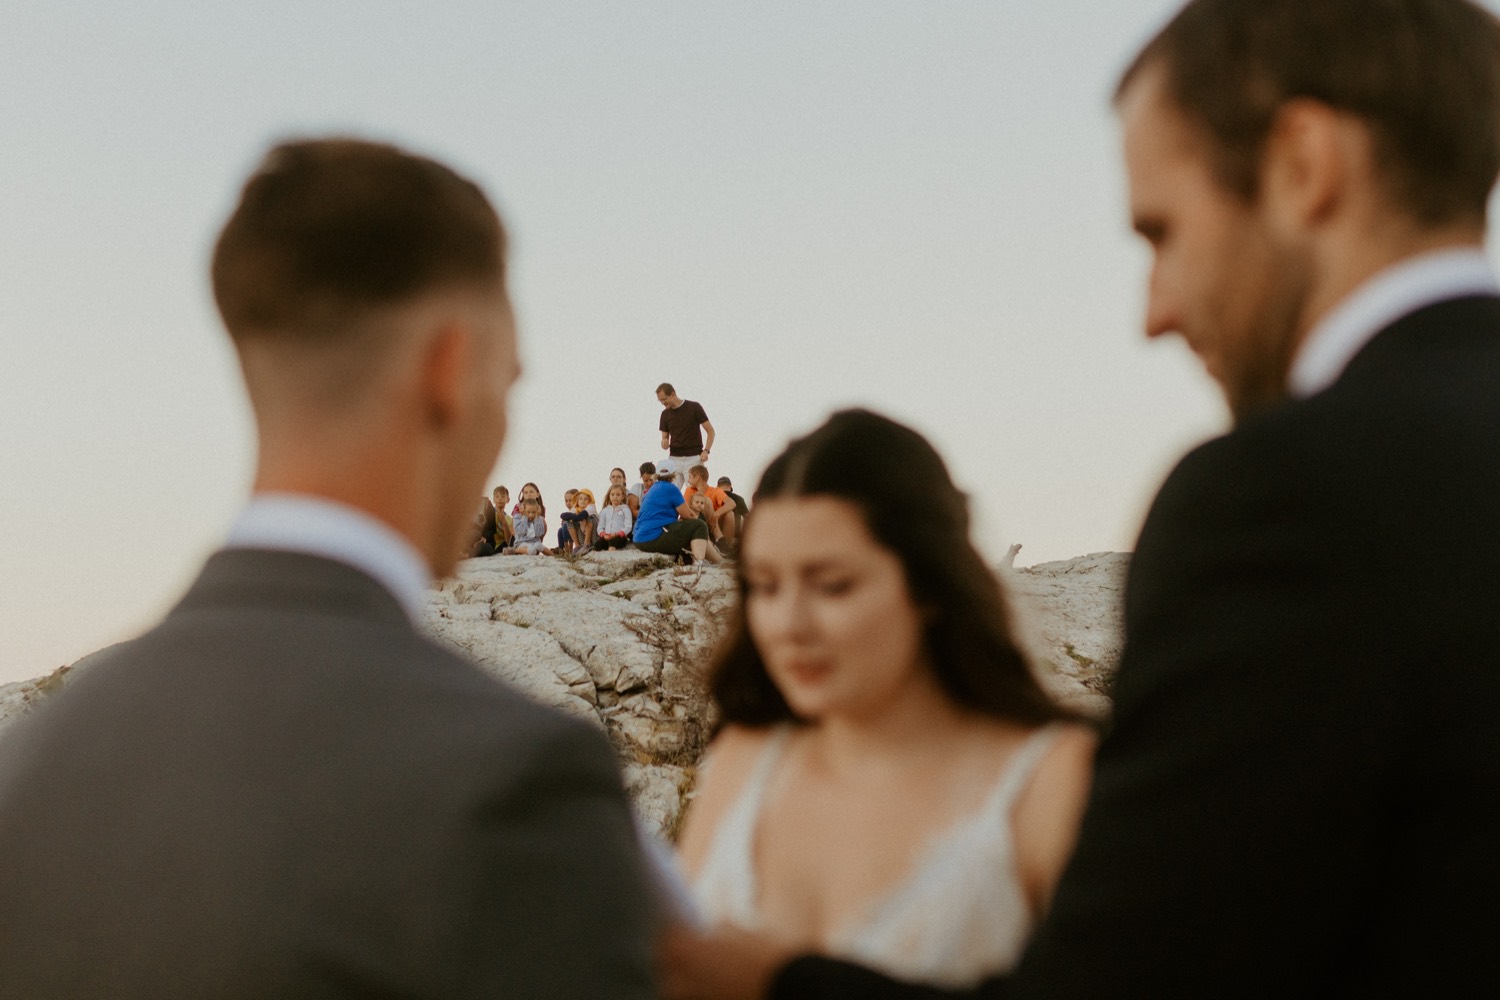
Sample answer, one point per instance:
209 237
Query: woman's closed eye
759 587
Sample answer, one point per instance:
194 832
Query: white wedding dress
958 917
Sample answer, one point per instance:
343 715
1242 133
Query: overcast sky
782 208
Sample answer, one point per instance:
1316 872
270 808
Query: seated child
531 532
482 541
564 535
703 508
584 522
722 523
616 519
505 529
617 478
648 476
530 492
741 507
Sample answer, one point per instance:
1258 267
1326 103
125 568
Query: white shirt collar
294 522
1397 291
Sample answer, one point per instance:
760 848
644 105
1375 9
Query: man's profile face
663 399
1219 278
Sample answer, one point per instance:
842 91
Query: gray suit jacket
284 790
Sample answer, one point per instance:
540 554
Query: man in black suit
1300 793
283 790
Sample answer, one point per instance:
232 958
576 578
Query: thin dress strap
1019 772
725 888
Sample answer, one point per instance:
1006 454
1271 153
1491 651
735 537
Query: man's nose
1161 310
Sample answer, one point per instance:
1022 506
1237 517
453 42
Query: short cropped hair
1424 76
665 389
328 230
699 471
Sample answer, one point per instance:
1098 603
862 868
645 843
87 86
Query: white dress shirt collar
294 522
1397 291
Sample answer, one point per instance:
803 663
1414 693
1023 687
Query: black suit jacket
1300 793
284 790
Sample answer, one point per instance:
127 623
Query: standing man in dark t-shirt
683 425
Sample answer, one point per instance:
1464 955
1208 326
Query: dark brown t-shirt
683 424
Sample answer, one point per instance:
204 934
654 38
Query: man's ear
1312 152
446 368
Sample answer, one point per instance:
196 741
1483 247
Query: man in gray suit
283 789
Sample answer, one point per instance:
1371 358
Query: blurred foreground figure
283 790
888 782
1300 795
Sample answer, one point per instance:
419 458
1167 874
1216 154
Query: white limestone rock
618 638
590 627
659 794
1070 615
531 661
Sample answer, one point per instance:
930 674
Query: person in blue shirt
666 524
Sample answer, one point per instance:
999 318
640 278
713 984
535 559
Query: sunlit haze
781 208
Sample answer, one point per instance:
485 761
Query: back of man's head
364 289
1424 76
328 231
330 240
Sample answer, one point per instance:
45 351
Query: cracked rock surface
618 639
612 637
1070 617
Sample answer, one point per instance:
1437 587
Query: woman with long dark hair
889 783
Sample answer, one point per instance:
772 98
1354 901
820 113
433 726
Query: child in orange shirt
721 519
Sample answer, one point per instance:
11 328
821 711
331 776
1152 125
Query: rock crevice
618 638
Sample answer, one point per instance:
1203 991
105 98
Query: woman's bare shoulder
1061 778
726 767
1049 810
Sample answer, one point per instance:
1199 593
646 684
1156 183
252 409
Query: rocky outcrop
16 699
1070 616
618 639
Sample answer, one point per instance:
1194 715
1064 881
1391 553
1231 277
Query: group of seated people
700 523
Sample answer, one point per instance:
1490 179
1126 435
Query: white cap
666 468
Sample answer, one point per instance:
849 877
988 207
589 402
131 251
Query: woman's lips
809 671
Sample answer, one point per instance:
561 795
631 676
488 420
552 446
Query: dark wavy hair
890 473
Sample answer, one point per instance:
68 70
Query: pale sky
781 208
